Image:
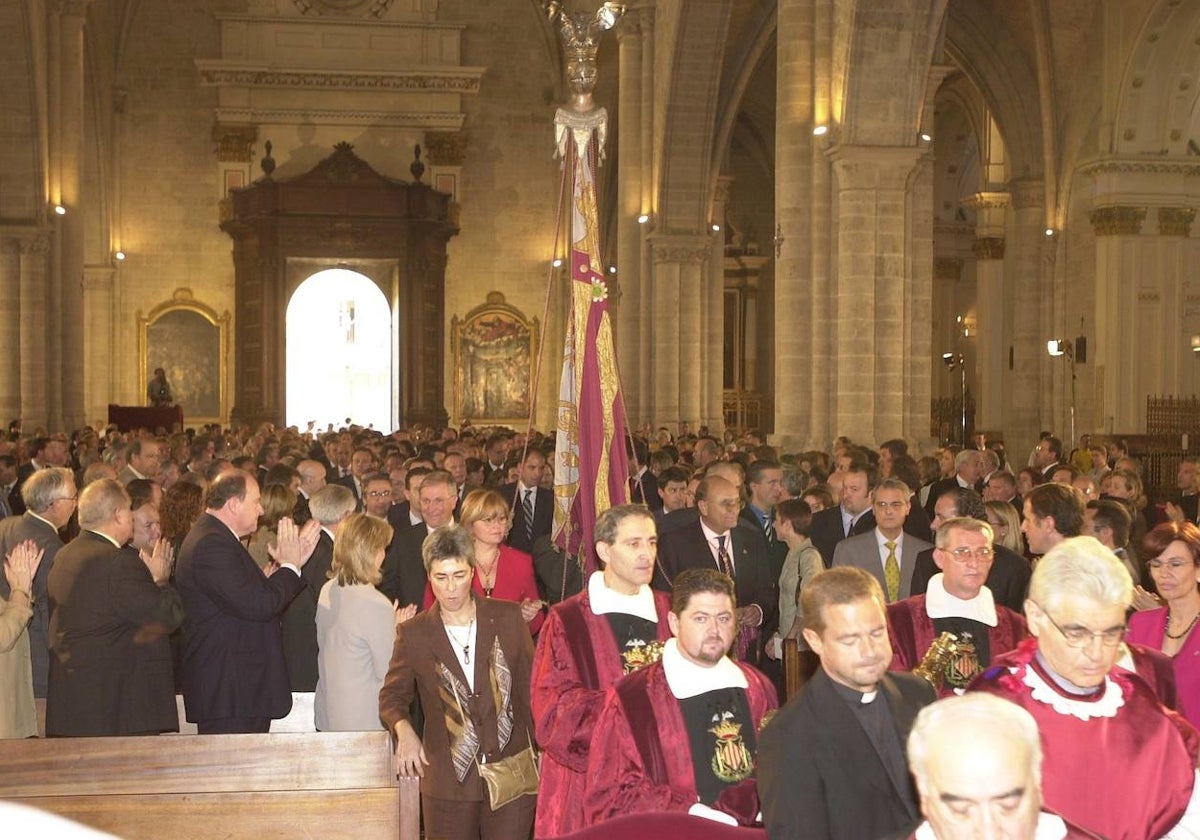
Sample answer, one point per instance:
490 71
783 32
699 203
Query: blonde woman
501 571
356 627
1006 527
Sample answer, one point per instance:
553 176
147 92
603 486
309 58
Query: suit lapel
439 644
848 744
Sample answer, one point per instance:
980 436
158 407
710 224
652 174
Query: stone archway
340 212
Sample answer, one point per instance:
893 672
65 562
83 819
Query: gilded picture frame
493 349
191 342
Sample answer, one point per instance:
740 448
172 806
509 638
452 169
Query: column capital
988 201
724 186
446 148
1118 220
234 142
873 167
990 209
687 248
1027 193
35 244
1175 221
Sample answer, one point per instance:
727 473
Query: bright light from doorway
339 352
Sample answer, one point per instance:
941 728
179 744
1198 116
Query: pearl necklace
1186 630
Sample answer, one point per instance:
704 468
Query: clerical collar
852 695
941 604
686 679
1066 698
605 600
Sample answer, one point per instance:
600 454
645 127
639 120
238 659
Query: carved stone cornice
1175 221
1118 220
234 142
35 245
988 247
343 8
948 268
295 116
988 201
1154 166
680 248
446 148
1027 194
441 80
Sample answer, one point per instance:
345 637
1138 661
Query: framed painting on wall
190 341
493 349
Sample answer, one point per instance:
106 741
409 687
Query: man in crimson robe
616 625
956 602
1117 763
682 734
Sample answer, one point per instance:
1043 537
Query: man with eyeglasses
377 495
403 569
1116 761
956 602
887 552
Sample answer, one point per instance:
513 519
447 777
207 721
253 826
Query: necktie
891 573
527 511
769 529
723 557
633 490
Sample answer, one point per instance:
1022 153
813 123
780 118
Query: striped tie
527 511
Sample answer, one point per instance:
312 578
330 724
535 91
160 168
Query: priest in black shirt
682 734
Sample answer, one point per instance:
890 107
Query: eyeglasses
1172 565
379 494
962 554
890 505
1080 637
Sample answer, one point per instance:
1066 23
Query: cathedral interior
820 217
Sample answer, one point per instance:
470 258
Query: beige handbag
510 778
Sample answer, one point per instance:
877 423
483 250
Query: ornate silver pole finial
580 36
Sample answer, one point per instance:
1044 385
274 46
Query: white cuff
702 810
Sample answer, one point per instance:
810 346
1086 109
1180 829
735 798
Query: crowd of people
993 649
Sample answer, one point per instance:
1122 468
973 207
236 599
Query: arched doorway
339 352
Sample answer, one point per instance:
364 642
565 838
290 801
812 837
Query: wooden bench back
320 784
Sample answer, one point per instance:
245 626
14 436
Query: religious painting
190 342
494 348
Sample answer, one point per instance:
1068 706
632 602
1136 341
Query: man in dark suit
49 494
111 611
831 763
1048 455
362 464
47 452
832 525
968 473
233 671
329 506
403 566
764 481
717 542
1008 579
529 496
643 486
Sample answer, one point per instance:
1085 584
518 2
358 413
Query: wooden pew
286 785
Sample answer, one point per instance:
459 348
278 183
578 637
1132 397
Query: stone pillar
10 326
649 180
798 318
873 271
679 292
100 319
67 122
34 338
992 358
713 413
630 163
918 297
1024 301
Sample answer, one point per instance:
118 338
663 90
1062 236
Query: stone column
992 358
796 318
67 122
873 271
34 320
97 328
713 414
679 290
1024 301
10 326
646 294
630 163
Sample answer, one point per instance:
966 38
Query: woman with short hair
356 626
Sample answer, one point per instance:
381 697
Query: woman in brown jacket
469 658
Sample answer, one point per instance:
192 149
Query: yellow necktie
891 573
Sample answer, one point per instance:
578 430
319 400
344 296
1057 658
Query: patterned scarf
455 697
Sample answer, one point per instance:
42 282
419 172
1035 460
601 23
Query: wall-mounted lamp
716 228
643 219
820 130
557 263
1196 343
926 137
119 256
1050 233
612 269
60 210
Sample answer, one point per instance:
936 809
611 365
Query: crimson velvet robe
1124 776
576 662
618 780
911 630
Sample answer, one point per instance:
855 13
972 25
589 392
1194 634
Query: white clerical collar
605 600
1049 827
941 604
687 679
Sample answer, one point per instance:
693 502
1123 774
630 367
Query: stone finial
416 167
268 162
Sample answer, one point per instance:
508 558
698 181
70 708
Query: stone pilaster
100 322
712 399
799 318
679 288
10 326
1025 300
873 290
992 356
34 337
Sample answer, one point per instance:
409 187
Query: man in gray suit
49 496
887 552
